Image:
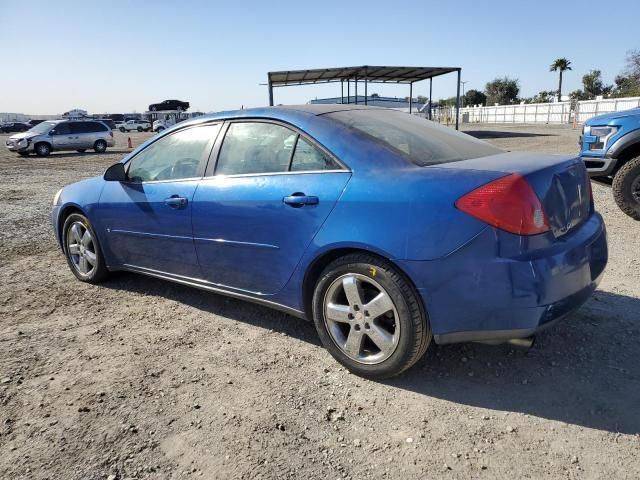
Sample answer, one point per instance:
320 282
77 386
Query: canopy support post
270 92
410 96
458 99
356 88
342 91
430 96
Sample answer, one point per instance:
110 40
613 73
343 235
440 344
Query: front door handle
175 201
299 199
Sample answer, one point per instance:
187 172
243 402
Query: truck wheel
626 188
122 129
139 129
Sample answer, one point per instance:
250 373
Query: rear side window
419 140
254 147
307 157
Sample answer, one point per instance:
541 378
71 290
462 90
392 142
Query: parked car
137 125
388 230
610 148
33 123
59 135
10 127
169 105
108 122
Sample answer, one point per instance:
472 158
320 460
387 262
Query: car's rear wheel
121 129
139 129
42 149
369 316
82 250
100 146
626 188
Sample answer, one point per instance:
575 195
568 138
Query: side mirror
52 132
115 173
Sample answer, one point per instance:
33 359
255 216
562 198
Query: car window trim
210 171
204 159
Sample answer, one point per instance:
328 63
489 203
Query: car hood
607 117
20 136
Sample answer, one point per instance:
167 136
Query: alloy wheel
361 318
81 249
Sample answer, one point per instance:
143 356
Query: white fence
561 112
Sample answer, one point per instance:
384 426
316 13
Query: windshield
421 141
43 127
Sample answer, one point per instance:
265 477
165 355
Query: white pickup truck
138 125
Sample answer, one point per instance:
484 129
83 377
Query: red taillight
508 203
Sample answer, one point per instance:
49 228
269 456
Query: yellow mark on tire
373 271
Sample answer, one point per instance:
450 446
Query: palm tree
561 64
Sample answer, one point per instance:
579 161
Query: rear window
421 141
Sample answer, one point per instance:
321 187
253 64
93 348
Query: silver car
58 135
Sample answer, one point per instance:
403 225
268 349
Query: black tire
42 149
139 129
81 150
100 146
23 154
626 188
154 109
415 332
121 129
100 271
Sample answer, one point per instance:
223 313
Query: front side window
62 129
255 148
176 156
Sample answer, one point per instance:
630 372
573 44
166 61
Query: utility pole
462 83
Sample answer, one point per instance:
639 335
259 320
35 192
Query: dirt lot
138 378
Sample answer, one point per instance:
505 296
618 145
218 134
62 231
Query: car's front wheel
369 316
82 250
626 188
100 146
122 129
42 149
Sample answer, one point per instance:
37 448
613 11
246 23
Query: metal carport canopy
365 73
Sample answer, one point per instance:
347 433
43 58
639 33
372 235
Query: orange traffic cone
129 142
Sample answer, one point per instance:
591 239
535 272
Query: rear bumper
500 286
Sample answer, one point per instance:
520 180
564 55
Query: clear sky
120 56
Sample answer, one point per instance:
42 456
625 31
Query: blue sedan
388 231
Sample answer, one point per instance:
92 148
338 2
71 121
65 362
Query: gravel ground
139 378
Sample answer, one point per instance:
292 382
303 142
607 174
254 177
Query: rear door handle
300 199
175 201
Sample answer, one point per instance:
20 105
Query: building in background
373 101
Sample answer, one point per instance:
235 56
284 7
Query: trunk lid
560 182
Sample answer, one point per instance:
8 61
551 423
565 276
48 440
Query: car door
147 219
62 137
84 134
255 215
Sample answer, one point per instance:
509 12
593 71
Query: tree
375 95
543 96
502 91
593 85
628 82
560 65
474 97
